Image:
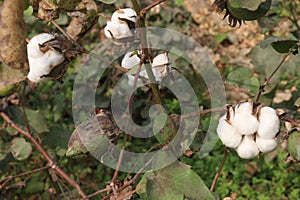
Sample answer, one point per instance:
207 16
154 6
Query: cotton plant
249 129
41 61
160 66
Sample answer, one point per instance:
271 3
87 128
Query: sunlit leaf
20 148
243 77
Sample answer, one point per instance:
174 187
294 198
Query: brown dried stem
219 170
39 147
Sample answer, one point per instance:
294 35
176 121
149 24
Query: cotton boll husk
33 48
248 148
265 145
38 68
269 123
130 60
125 13
54 57
227 134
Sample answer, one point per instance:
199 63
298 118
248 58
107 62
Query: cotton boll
248 148
125 13
227 134
244 122
38 68
33 48
117 30
269 123
130 60
160 59
265 145
54 57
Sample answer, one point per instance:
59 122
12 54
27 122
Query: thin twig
98 192
144 10
219 170
9 178
39 147
202 112
116 173
262 87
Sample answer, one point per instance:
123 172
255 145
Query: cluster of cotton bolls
41 61
160 66
122 24
249 128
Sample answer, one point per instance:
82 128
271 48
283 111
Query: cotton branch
39 147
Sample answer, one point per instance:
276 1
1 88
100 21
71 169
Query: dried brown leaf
12 35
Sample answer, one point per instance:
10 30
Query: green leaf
108 1
297 102
250 5
20 148
35 119
58 137
34 185
177 181
281 45
28 11
294 144
243 77
3 150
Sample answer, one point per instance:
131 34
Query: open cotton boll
38 68
130 60
33 48
269 123
160 59
244 122
54 57
265 145
125 13
227 134
248 148
117 30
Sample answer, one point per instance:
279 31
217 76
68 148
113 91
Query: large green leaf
177 181
20 148
243 77
35 119
250 5
266 60
281 45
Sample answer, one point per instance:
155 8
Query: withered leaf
12 35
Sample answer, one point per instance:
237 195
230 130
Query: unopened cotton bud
124 14
130 60
227 134
265 145
244 122
269 123
248 148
